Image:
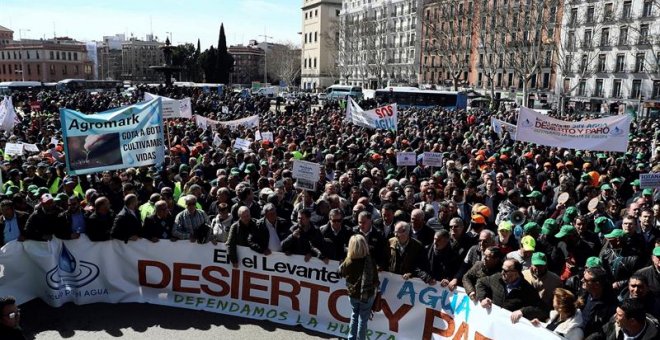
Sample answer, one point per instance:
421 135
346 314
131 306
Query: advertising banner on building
279 288
173 108
130 136
604 134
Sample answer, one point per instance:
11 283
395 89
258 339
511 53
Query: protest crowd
565 238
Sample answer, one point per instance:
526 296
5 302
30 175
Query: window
316 36
305 15
499 80
625 14
623 35
656 89
573 17
584 63
75 56
27 55
305 63
601 62
571 40
647 9
587 39
599 88
29 69
643 34
38 69
69 55
620 62
314 62
590 15
639 62
616 88
305 37
52 70
605 37
316 12
52 55
581 87
607 12
546 80
635 91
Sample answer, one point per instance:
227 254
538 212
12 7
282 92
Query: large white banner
604 134
248 122
384 117
173 108
500 126
279 288
8 116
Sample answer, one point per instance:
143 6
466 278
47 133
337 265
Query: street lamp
20 51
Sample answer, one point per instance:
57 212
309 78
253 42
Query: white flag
8 117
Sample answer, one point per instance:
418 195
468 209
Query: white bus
341 91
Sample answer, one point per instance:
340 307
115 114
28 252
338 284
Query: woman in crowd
565 319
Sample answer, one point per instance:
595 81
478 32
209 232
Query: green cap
600 223
647 192
549 227
32 189
656 251
61 197
297 155
235 171
601 156
635 183
539 259
12 190
616 233
531 227
184 168
605 187
42 190
585 177
566 229
390 176
593 262
437 174
570 214
640 156
534 194
616 180
250 168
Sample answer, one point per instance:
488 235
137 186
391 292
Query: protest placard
306 170
406 158
432 158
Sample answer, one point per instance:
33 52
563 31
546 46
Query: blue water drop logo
67 261
130 159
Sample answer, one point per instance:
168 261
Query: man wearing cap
541 279
524 254
573 249
39 226
12 223
509 290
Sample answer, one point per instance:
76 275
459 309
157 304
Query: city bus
70 85
8 87
414 97
341 91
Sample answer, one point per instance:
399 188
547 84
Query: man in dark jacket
443 261
336 236
239 234
491 264
158 226
40 226
377 242
99 223
652 272
419 230
127 226
269 231
10 318
407 255
12 223
510 291
304 239
630 322
598 300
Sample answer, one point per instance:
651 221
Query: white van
270 91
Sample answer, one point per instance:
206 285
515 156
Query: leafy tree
209 63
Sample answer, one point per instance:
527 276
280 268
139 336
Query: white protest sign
650 180
31 147
267 136
172 108
217 141
257 135
384 117
306 170
406 158
203 122
14 149
242 144
432 158
500 126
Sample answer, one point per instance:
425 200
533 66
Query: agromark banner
130 136
279 288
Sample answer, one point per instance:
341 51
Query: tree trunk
525 98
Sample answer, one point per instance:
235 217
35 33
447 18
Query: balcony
623 44
643 41
607 19
620 70
605 45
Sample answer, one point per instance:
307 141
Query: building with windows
44 60
504 49
137 56
6 35
378 42
248 63
320 23
109 56
612 55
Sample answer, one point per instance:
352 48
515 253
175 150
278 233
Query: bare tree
284 62
491 46
447 38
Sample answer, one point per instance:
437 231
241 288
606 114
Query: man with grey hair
240 234
420 231
127 226
476 252
191 222
375 238
443 260
407 256
269 231
159 224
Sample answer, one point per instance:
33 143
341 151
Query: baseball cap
635 183
528 243
569 214
565 230
600 223
549 227
593 262
505 225
539 259
647 192
46 197
530 227
616 233
656 251
534 194
605 187
616 180
478 219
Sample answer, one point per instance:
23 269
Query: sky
186 20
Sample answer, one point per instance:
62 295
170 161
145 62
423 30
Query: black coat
40 226
378 247
411 261
239 235
154 227
524 297
99 226
260 236
424 236
21 219
126 225
443 264
336 245
309 242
